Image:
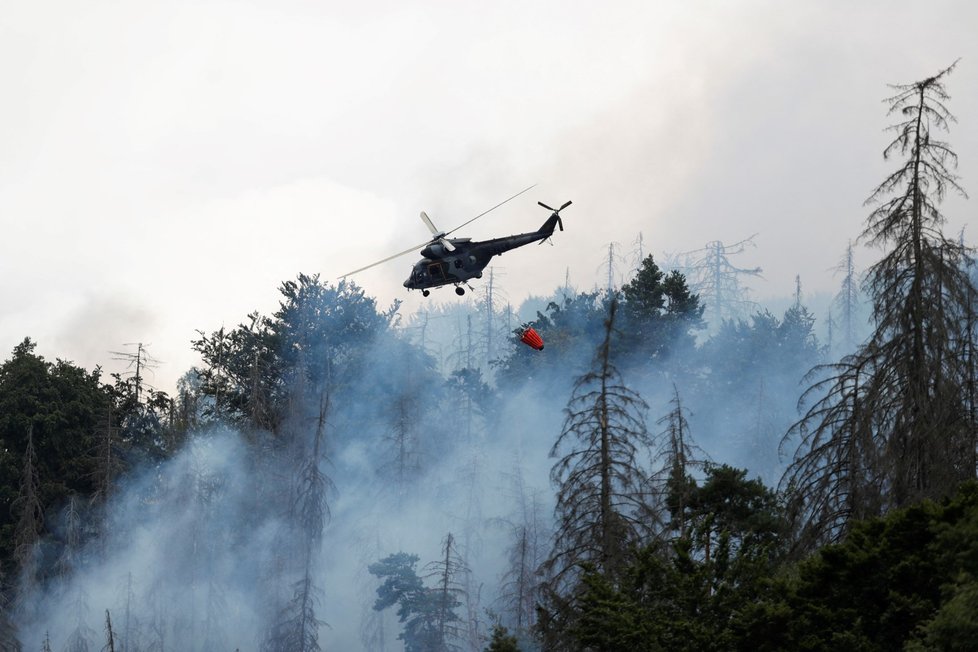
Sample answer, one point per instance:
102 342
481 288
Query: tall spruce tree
847 299
519 587
678 455
889 428
601 484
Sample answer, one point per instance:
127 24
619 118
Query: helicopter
454 261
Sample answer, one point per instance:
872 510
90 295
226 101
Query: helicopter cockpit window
436 271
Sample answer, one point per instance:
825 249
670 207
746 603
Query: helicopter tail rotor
556 213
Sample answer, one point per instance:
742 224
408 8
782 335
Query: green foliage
425 612
570 327
907 579
954 627
267 374
659 312
60 404
687 594
779 350
502 641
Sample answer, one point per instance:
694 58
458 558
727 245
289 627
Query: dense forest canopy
326 480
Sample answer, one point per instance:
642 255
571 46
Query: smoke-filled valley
337 475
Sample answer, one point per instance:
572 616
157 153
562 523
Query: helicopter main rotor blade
379 262
431 227
439 236
491 209
556 210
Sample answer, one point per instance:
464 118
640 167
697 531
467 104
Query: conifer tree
887 427
519 588
847 298
8 632
428 614
601 507
447 595
109 635
659 311
678 456
296 626
30 517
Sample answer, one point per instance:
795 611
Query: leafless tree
447 594
717 281
402 461
520 583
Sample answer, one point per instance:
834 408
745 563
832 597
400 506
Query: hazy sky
164 166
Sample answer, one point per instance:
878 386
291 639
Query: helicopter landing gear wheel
459 290
425 293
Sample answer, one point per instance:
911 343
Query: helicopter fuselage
466 259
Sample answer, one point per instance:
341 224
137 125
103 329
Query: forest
678 469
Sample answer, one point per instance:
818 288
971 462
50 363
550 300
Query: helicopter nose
407 283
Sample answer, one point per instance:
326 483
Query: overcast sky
164 166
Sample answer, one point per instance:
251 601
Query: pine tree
402 464
502 641
82 637
888 428
659 312
679 456
296 626
519 589
601 506
847 298
30 519
446 596
428 614
109 635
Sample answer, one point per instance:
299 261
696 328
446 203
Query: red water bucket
532 339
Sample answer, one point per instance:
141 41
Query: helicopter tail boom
552 222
